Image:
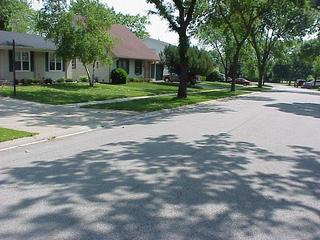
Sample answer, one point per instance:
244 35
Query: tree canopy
17 16
79 30
199 61
179 14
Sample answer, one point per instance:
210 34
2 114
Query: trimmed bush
119 76
310 78
25 81
139 79
203 78
69 80
48 81
36 81
214 76
83 79
60 80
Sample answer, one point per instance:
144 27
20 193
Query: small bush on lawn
119 76
139 79
36 81
310 78
203 78
26 81
69 80
60 80
83 79
214 76
48 81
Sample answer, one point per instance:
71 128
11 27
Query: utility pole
14 67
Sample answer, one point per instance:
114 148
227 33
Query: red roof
127 45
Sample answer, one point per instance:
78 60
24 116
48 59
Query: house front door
147 69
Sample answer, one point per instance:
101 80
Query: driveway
247 168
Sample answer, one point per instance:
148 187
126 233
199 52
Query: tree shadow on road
164 188
302 109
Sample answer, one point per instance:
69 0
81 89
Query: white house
128 52
34 59
158 47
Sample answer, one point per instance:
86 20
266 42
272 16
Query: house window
138 67
55 62
22 61
74 63
123 63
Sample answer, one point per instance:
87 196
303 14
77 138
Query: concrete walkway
130 99
51 121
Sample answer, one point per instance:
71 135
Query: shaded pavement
247 168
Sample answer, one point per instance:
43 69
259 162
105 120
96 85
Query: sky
158 28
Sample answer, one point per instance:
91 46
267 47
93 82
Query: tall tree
136 23
221 41
316 67
228 14
199 61
280 21
16 16
179 14
80 31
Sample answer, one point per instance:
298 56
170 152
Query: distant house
129 53
158 47
34 59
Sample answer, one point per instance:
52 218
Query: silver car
312 84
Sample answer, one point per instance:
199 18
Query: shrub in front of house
69 80
310 78
48 81
83 79
119 76
36 81
60 80
203 78
26 81
139 79
214 76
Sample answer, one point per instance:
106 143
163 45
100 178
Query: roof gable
127 45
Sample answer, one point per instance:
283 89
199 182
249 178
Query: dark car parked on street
173 77
299 82
243 81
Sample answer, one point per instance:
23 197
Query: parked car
215 76
312 84
173 77
299 82
243 81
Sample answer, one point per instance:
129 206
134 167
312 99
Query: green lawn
158 103
69 93
9 134
75 93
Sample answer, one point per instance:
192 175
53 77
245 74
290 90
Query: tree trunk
183 49
234 69
93 72
88 74
260 81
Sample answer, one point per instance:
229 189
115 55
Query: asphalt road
247 168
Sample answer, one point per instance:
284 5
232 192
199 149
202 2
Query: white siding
39 68
102 72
